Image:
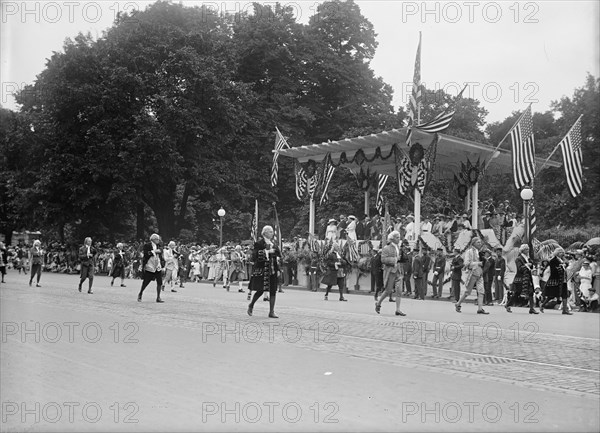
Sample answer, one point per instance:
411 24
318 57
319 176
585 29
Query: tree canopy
171 114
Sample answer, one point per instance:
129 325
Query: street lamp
221 213
526 196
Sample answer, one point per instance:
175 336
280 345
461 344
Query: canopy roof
451 152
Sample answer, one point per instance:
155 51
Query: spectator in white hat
351 228
331 233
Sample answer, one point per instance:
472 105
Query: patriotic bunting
382 179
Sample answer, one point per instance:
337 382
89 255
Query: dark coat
147 253
264 267
83 257
456 268
331 273
523 277
417 267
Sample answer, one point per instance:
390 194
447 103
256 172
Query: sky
511 53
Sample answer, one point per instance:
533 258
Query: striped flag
523 150
572 156
254 229
301 180
382 179
442 120
415 97
328 170
279 143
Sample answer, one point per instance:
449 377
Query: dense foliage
171 115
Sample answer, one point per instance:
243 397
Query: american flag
523 150
572 156
415 97
279 143
442 120
328 170
382 179
301 180
254 229
404 175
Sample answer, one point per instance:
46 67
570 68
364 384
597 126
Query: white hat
332 220
351 217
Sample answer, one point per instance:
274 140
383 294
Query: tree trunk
165 218
140 220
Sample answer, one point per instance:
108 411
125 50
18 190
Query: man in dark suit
360 230
87 259
427 264
499 276
376 273
456 275
152 266
439 270
418 274
407 266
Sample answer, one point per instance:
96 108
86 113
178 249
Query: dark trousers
499 287
87 271
259 286
438 284
377 281
340 284
407 283
36 270
149 276
517 289
487 287
455 289
420 289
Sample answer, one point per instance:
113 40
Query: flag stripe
523 150
279 143
380 185
327 175
572 157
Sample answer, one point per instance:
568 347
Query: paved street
104 362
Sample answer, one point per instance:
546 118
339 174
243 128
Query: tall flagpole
556 147
502 141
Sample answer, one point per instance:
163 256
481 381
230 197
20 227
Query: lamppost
526 196
221 213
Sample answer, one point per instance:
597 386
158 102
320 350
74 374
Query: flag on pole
572 156
279 143
301 180
415 97
442 120
523 150
387 223
254 229
532 220
380 185
328 170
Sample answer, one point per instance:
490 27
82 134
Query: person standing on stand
152 266
265 273
87 258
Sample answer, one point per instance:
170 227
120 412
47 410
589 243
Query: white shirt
351 230
426 227
585 283
331 232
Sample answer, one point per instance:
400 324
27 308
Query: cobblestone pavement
477 346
